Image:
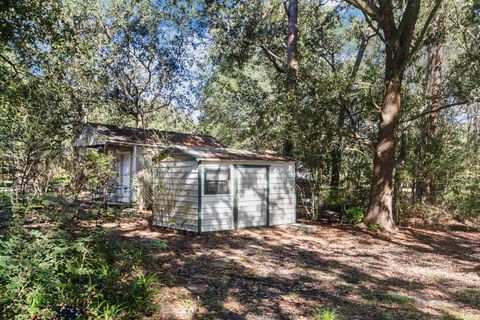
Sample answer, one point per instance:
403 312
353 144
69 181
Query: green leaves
41 271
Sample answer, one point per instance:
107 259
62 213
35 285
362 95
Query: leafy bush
5 201
327 314
355 215
41 273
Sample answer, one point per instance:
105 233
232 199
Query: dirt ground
282 273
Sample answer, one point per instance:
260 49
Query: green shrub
5 201
326 314
355 215
42 272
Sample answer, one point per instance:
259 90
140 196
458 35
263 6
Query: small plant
395 298
375 227
355 215
326 314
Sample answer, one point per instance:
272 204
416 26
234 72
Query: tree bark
292 40
139 121
85 113
291 8
380 209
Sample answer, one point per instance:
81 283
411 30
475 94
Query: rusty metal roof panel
115 134
232 154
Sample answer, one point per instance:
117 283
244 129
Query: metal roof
230 154
116 134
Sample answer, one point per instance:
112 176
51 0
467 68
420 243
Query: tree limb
105 28
375 29
10 63
409 17
273 58
424 113
423 32
367 7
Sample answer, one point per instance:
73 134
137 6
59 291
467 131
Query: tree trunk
399 49
336 157
139 121
292 40
432 90
85 113
291 8
380 209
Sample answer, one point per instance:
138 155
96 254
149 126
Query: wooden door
252 196
125 179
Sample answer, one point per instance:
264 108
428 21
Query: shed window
217 181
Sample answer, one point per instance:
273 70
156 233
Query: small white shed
213 189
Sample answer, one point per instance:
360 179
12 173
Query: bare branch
273 58
409 17
10 63
424 113
375 29
105 28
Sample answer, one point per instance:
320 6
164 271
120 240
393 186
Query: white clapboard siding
217 206
175 195
216 225
282 194
212 215
176 203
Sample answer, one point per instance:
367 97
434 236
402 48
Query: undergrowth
56 272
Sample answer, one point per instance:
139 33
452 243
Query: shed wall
217 211
175 194
282 194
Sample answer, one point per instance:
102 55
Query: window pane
216 174
210 187
222 186
222 175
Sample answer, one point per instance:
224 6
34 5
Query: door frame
235 194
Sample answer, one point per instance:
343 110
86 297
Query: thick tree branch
416 46
409 17
367 7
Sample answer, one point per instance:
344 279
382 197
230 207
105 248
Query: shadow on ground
280 273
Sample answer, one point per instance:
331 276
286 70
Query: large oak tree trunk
399 49
380 209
